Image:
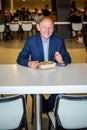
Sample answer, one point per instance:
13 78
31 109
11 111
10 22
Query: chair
26 27
76 27
2 29
70 112
14 28
13 113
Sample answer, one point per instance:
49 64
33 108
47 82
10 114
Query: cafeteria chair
26 28
25 97
14 28
13 113
2 29
76 27
70 112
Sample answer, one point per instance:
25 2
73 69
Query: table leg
38 118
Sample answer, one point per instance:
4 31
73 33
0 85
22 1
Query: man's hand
33 64
58 57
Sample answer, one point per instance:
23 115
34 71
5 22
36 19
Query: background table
16 79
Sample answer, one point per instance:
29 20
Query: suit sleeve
24 55
65 54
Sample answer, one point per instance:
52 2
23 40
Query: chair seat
2 29
76 27
14 28
26 28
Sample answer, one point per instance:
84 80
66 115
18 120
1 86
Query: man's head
46 27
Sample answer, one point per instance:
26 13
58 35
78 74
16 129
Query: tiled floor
9 51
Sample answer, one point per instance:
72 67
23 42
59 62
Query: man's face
46 28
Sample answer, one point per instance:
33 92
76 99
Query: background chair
14 28
70 112
26 27
76 27
13 113
2 29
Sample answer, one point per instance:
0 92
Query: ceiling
31 4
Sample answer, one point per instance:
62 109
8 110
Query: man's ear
38 28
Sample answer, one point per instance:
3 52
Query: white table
16 79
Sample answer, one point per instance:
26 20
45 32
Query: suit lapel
51 46
40 47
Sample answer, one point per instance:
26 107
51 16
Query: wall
6 4
80 3
31 4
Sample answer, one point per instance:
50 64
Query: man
75 17
82 39
46 11
44 46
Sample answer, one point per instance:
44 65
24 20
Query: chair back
13 113
77 26
26 26
71 112
2 28
14 27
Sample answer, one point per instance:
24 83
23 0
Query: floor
9 50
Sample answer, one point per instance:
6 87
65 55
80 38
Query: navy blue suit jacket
33 48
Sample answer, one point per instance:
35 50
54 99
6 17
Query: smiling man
44 46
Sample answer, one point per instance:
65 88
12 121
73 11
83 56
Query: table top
16 79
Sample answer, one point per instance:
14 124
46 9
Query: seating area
17 30
22 29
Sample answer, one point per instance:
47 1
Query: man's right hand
33 64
